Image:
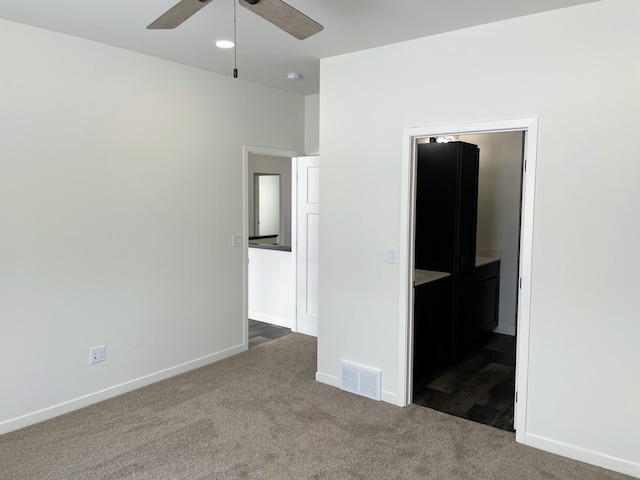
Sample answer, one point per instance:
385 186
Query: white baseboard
391 398
505 330
279 321
330 380
95 397
583 455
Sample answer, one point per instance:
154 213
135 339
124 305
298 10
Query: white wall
499 195
272 286
276 165
121 186
312 125
575 69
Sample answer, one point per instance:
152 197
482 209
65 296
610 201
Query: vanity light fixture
443 139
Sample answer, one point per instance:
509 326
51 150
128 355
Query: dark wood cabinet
446 207
431 327
463 332
445 228
486 297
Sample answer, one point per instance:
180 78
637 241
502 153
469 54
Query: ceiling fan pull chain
235 40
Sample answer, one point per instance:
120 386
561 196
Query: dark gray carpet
261 415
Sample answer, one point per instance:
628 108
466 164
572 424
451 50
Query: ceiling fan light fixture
293 76
225 44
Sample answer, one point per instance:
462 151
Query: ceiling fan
275 11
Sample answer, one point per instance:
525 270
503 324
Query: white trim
530 126
406 260
95 397
526 259
327 379
391 398
274 152
583 455
294 244
263 317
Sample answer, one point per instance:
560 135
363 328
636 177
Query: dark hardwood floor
480 388
260 332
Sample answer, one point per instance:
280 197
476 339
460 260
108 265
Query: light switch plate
236 240
392 255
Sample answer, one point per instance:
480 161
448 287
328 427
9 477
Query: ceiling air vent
360 380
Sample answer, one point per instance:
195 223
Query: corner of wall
312 125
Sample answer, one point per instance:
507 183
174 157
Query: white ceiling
265 53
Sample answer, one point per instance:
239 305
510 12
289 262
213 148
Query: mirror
267 204
269 198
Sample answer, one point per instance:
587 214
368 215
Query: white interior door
308 238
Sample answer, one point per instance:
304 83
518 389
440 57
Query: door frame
406 259
273 152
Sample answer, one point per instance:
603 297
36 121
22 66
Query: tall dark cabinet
445 227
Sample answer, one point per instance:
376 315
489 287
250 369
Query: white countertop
485 260
426 276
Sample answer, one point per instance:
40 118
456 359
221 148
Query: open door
308 215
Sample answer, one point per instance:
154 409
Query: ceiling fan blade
178 14
284 16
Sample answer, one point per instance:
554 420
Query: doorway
528 128
271 297
479 382
282 272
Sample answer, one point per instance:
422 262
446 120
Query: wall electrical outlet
97 354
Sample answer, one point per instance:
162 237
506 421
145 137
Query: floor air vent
360 380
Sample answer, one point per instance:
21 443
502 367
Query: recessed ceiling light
225 44
293 76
